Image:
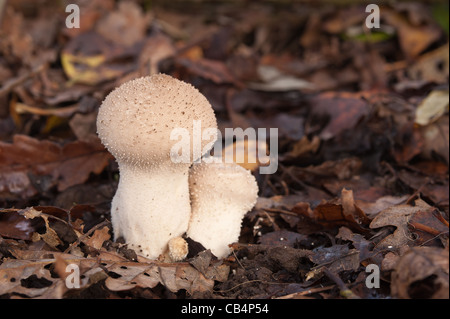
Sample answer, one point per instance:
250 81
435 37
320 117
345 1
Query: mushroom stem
151 206
221 194
135 122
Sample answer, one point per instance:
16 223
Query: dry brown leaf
126 276
414 39
398 216
50 236
304 146
337 212
372 209
422 272
91 59
344 110
14 225
66 165
126 25
336 258
98 238
432 66
25 277
213 70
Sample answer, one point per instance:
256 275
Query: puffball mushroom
221 194
151 205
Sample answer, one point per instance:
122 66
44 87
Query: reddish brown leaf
343 109
337 212
67 165
215 71
14 225
422 272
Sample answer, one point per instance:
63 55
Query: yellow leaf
86 69
432 108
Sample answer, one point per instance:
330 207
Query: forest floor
358 207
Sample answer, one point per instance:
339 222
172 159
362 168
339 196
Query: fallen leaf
125 26
336 258
91 59
50 236
155 49
273 80
436 139
421 273
67 165
432 66
372 209
247 153
127 275
414 39
435 190
25 277
428 226
432 107
213 70
304 146
337 212
14 225
98 238
398 216
343 111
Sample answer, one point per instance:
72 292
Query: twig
237 259
253 281
344 290
305 292
280 211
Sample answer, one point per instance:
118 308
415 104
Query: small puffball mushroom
221 194
178 249
135 121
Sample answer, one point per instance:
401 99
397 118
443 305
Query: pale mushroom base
150 207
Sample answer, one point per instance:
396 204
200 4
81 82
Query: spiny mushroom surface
221 194
135 121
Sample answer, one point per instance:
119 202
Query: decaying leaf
26 277
336 259
422 273
125 276
66 165
90 59
50 236
398 216
432 66
275 81
342 211
14 225
342 110
413 38
434 105
98 238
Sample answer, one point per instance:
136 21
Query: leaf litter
363 147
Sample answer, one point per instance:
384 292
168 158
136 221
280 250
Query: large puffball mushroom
221 194
135 122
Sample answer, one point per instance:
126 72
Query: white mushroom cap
221 194
135 120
